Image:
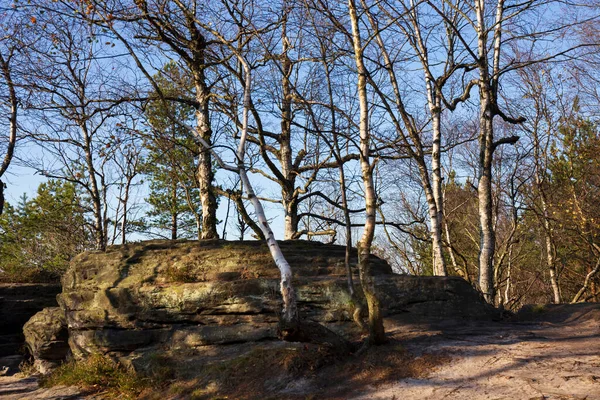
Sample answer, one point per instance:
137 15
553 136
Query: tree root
357 316
312 332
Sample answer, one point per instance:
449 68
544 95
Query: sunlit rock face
189 294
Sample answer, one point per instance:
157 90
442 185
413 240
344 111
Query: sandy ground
15 387
542 360
554 357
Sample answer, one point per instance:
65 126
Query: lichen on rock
189 294
46 338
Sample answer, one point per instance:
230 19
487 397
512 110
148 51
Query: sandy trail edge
15 387
552 357
538 360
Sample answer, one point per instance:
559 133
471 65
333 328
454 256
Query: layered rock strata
18 303
186 295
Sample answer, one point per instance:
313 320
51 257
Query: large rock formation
18 303
185 295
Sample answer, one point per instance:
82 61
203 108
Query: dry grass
266 372
98 374
299 372
259 372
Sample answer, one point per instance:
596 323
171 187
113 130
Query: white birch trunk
435 199
12 136
487 85
205 172
376 329
550 262
433 194
290 309
436 226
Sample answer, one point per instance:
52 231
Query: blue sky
24 180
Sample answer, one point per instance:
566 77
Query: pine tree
39 237
172 161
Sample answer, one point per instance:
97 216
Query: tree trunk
98 224
487 95
508 278
1 197
435 231
550 257
290 207
289 318
124 221
290 309
198 219
484 192
433 194
541 156
376 329
439 263
289 197
12 136
205 167
94 191
173 226
174 213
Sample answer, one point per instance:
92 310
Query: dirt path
549 355
535 360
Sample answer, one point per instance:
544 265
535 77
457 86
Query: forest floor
550 352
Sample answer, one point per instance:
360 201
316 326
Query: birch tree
295 154
420 36
538 88
12 128
376 330
10 46
496 53
289 317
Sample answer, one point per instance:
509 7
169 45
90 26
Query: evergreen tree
39 237
171 162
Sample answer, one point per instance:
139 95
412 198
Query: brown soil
550 352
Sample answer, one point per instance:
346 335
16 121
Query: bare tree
127 162
541 126
74 109
173 26
12 134
10 46
376 330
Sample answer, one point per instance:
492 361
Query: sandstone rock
18 303
579 313
186 295
46 337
